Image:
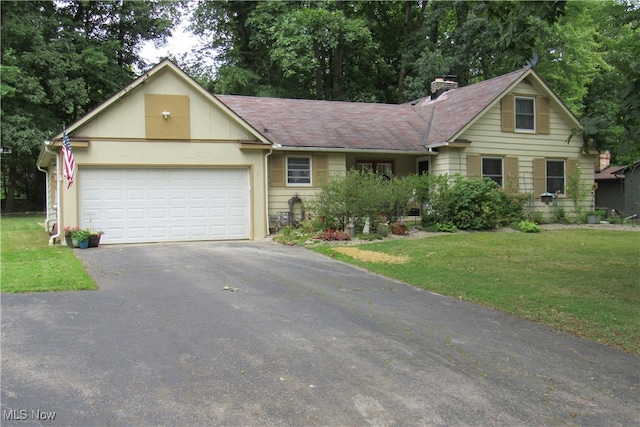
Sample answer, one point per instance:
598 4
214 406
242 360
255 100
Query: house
618 187
165 160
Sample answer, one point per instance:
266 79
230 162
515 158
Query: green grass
582 281
29 264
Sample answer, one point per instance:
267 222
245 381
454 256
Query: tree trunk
319 84
10 196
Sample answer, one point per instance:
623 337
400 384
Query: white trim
299 184
515 114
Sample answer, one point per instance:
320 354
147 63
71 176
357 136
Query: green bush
527 226
446 227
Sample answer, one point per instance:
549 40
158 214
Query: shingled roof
367 126
456 109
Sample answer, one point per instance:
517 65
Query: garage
140 205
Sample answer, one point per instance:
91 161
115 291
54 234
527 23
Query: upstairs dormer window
525 114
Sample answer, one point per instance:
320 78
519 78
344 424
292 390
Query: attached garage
135 205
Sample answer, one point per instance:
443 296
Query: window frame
290 177
486 175
516 98
549 189
376 166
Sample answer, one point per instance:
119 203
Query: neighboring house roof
614 172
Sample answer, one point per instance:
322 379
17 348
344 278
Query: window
492 168
555 176
423 166
525 114
298 170
384 168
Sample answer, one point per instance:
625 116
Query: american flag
67 156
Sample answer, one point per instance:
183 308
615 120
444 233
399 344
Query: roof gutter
352 150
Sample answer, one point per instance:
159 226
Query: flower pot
84 244
593 219
94 240
69 241
75 243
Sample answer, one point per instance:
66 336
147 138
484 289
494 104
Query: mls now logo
23 414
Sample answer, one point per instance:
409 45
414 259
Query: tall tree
58 60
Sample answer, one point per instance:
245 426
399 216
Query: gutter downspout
266 187
57 205
46 194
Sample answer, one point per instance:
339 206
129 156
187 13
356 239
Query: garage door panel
148 205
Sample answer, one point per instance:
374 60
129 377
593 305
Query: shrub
293 236
446 227
528 226
332 235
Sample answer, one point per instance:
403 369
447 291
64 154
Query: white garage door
155 205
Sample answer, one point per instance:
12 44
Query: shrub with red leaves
334 235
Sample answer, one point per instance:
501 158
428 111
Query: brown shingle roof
354 125
612 172
331 124
457 107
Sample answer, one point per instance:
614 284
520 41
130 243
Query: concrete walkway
295 339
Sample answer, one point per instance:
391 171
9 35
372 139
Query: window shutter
277 170
512 175
539 177
571 167
474 166
506 105
320 169
542 115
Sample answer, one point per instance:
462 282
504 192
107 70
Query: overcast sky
181 42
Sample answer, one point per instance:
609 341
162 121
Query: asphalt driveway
296 339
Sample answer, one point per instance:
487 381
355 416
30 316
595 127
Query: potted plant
68 236
82 236
94 238
593 218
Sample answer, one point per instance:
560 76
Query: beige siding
279 196
487 139
126 117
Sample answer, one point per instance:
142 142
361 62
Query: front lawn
29 264
581 281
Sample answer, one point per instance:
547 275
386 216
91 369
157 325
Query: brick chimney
604 161
442 84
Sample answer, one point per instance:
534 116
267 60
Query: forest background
60 59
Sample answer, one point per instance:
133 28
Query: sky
180 42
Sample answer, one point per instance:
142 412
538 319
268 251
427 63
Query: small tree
577 190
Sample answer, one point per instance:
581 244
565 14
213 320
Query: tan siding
279 196
126 118
487 139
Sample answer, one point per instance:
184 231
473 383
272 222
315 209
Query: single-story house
165 160
618 187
